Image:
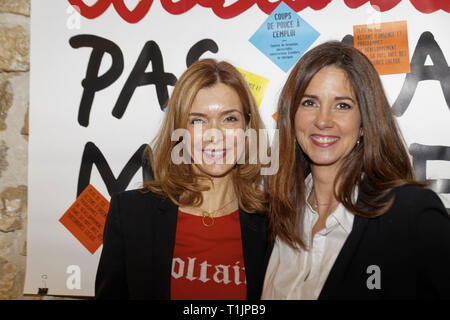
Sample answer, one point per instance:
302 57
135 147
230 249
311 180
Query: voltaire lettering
204 271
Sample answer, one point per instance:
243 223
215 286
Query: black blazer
410 244
138 245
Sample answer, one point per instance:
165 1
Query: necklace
316 204
208 217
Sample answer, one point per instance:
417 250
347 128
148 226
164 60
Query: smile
324 141
214 154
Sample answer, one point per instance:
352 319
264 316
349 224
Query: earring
360 136
359 141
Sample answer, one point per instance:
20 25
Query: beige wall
14 105
14 101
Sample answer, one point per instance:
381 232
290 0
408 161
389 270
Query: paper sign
257 84
85 218
284 37
275 116
385 44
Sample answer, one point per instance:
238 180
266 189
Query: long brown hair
179 181
376 165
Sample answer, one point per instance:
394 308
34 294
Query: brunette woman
348 219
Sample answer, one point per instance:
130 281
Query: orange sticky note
275 116
385 44
86 217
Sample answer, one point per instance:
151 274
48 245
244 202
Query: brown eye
343 106
231 119
308 103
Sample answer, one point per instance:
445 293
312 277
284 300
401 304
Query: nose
324 118
213 132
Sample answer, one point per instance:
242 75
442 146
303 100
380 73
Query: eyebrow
335 98
198 114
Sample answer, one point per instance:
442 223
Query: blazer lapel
253 237
331 288
164 230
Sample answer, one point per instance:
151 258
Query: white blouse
301 274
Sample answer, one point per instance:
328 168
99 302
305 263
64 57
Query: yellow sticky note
257 84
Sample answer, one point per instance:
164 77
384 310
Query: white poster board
73 127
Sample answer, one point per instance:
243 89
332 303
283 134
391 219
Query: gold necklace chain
207 216
316 204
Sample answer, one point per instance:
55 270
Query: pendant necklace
208 216
316 203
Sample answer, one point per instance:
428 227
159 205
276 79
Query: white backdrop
57 139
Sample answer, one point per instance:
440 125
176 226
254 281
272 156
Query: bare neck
221 191
322 195
323 185
220 197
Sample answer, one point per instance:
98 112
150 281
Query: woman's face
216 124
328 120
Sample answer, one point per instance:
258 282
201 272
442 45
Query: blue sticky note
284 37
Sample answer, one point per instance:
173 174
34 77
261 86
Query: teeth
324 139
214 152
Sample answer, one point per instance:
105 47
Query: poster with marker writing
102 71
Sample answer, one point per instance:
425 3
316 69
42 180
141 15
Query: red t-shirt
208 263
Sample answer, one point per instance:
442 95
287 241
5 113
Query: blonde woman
197 231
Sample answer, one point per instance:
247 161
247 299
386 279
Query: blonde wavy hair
179 182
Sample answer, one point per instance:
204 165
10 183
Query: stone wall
14 101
